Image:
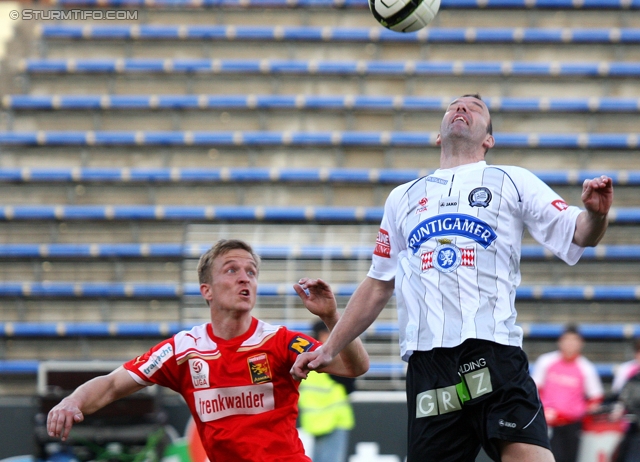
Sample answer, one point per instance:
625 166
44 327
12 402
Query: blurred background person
626 370
325 410
626 390
569 387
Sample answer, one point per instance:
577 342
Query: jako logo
504 423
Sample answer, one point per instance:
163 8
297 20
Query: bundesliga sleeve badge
300 345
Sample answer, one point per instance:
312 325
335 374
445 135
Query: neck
460 153
230 325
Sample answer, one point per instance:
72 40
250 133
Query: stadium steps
100 290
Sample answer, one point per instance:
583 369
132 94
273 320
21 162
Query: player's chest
230 369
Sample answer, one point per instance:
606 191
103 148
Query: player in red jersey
233 372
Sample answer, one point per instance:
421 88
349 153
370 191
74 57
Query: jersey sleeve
621 376
549 219
592 384
156 366
389 242
540 368
298 343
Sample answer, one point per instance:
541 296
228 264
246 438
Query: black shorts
473 395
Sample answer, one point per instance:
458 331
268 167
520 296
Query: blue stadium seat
347 138
337 102
340 34
116 290
326 67
173 250
351 215
160 329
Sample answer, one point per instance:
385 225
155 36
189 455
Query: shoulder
547 359
399 191
586 364
195 341
263 333
518 175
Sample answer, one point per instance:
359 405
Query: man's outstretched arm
597 197
88 398
363 308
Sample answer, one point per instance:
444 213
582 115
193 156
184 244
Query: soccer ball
404 15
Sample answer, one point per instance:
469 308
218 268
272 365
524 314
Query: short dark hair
220 248
572 329
317 328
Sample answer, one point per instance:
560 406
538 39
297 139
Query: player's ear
489 142
438 140
206 291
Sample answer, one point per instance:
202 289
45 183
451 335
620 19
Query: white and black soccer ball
404 15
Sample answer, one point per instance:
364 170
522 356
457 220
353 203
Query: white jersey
452 241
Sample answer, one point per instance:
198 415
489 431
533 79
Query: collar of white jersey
461 168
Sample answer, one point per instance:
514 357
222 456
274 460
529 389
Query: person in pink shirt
569 388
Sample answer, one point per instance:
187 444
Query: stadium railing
136 66
340 34
320 138
315 102
444 4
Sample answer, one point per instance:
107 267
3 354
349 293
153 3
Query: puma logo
195 339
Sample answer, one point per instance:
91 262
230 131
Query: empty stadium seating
128 147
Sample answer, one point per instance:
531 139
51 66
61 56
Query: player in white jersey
449 244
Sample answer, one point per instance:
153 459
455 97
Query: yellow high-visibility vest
324 405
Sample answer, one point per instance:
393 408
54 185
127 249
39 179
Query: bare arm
597 196
88 398
363 308
320 300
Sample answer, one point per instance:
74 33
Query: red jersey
239 391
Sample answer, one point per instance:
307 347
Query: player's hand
311 361
317 297
62 417
597 195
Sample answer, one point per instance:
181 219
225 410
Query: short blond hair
220 248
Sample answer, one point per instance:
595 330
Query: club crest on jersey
383 244
199 373
480 197
447 257
259 368
451 224
560 205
